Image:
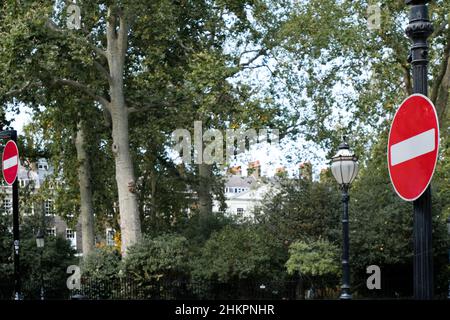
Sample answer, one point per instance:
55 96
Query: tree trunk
442 98
130 224
204 190
299 290
84 174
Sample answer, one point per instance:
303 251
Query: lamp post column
419 29
345 288
42 274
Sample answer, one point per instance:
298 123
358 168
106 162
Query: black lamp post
40 243
344 166
418 30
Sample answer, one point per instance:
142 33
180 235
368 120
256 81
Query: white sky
20 120
271 157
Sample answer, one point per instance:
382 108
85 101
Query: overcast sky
271 157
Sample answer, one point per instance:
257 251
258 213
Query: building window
49 211
240 211
72 237
110 233
70 234
51 232
28 211
7 206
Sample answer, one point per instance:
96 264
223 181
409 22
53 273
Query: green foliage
235 253
313 259
199 229
300 209
161 258
102 264
57 255
6 266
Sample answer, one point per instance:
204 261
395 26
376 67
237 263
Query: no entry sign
10 162
413 146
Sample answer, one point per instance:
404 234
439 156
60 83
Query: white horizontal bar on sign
11 162
413 147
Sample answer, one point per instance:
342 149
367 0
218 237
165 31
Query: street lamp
344 166
40 243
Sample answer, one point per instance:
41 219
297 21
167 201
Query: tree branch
52 26
143 108
111 23
21 89
442 71
75 84
103 71
407 76
260 53
439 30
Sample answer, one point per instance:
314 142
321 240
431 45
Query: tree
109 61
236 253
301 210
57 255
102 265
317 261
357 68
161 258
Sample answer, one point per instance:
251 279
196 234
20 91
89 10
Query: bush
316 261
160 258
57 255
102 264
234 254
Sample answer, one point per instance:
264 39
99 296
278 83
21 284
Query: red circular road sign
10 162
413 146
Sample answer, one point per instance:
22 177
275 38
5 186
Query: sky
20 120
270 157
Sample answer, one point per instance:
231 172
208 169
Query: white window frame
72 238
7 209
110 234
49 208
51 232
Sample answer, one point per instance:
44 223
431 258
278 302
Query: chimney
235 171
280 172
254 169
305 171
324 174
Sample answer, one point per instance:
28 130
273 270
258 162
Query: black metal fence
173 290
125 288
33 291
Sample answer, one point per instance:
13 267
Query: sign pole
12 135
418 30
16 233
